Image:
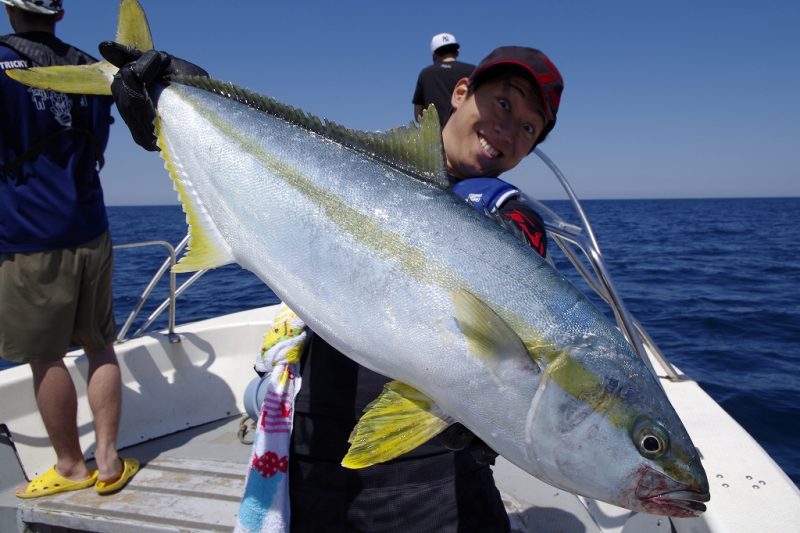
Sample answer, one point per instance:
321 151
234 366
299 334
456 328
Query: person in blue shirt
55 250
501 112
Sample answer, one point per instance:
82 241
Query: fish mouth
488 148
679 503
660 494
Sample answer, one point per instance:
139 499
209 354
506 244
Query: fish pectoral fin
74 79
489 336
396 422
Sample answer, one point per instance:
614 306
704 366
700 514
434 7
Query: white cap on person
443 39
42 7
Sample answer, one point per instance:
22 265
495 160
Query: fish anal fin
207 248
398 421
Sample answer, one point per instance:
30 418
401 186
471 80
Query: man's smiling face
492 128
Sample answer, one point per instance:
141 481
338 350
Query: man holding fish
501 112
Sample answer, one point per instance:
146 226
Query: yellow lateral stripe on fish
355 223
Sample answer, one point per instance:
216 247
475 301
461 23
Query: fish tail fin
207 248
132 30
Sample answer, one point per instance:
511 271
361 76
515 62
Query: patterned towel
265 503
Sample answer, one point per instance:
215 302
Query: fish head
606 430
669 478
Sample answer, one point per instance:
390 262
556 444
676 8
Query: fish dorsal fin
415 149
489 337
419 146
398 421
132 27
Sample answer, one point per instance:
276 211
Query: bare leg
105 400
58 406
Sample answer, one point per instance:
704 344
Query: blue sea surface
715 282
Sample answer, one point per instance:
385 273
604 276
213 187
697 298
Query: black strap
45 50
54 52
40 146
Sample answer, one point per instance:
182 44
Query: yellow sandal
51 482
129 468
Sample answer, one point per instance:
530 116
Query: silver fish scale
371 258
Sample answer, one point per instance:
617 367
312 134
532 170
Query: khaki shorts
51 301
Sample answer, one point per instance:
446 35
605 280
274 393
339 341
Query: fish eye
650 438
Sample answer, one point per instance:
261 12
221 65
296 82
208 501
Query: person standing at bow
55 250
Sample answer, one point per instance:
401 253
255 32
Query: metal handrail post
160 309
168 263
589 245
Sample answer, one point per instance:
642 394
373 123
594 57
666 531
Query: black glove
482 453
129 88
457 437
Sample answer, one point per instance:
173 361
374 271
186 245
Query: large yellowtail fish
359 235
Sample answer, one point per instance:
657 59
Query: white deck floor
193 481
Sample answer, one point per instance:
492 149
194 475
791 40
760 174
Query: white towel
265 503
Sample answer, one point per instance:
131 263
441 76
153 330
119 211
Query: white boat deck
181 417
190 481
193 481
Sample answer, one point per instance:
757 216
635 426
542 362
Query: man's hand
129 89
457 437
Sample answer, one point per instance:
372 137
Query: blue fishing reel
254 396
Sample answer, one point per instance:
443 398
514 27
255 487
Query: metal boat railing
169 302
566 235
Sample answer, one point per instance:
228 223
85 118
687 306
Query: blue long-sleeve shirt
50 144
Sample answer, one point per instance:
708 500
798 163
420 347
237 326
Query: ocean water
715 282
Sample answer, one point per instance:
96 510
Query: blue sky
662 99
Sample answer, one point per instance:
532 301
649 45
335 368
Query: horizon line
585 199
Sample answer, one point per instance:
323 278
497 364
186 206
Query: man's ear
460 92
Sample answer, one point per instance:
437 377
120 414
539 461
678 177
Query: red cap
539 67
